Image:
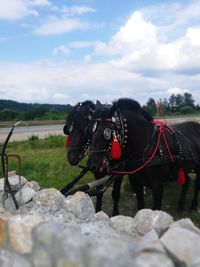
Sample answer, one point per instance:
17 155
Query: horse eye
107 133
94 127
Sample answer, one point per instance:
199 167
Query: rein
161 133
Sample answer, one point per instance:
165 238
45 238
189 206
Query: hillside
12 110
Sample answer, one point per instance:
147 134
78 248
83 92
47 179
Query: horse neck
140 132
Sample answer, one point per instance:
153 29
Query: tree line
176 104
13 111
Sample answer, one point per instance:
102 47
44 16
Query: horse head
77 129
117 132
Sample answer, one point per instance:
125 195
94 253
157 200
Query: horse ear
98 105
69 108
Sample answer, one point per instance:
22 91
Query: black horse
151 154
79 132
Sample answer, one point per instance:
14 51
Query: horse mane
131 105
79 108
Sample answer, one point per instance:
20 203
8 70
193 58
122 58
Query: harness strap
160 133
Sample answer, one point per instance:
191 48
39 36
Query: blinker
65 131
107 134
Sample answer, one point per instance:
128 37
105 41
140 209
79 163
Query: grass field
44 160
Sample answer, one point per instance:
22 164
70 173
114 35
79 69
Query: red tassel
181 177
115 149
67 141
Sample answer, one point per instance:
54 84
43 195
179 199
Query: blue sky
68 51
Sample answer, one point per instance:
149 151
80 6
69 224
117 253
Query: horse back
188 135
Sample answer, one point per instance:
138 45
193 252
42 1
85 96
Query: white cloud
60 26
77 10
73 82
61 49
41 3
193 34
60 97
136 34
140 65
82 44
177 90
137 47
16 9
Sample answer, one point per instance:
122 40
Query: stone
123 225
51 199
45 233
41 258
183 244
66 263
186 224
111 252
19 232
25 195
146 220
11 259
73 247
100 216
14 181
34 185
81 205
152 259
149 242
98 231
3 233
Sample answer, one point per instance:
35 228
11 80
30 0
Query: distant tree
187 110
176 102
150 106
165 106
188 100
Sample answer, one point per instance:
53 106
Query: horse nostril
72 160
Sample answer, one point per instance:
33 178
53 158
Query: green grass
44 160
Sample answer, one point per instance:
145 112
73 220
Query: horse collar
120 124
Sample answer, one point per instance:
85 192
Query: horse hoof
115 214
181 207
193 208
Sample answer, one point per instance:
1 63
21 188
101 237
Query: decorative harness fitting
116 134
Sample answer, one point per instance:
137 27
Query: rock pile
52 231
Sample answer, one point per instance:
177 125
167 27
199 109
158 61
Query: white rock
51 199
19 231
149 259
149 242
25 195
146 220
81 205
123 224
14 181
183 244
186 224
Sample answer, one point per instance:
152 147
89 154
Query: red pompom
181 177
67 141
115 149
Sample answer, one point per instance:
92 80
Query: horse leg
196 191
184 189
139 191
116 194
157 196
99 201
